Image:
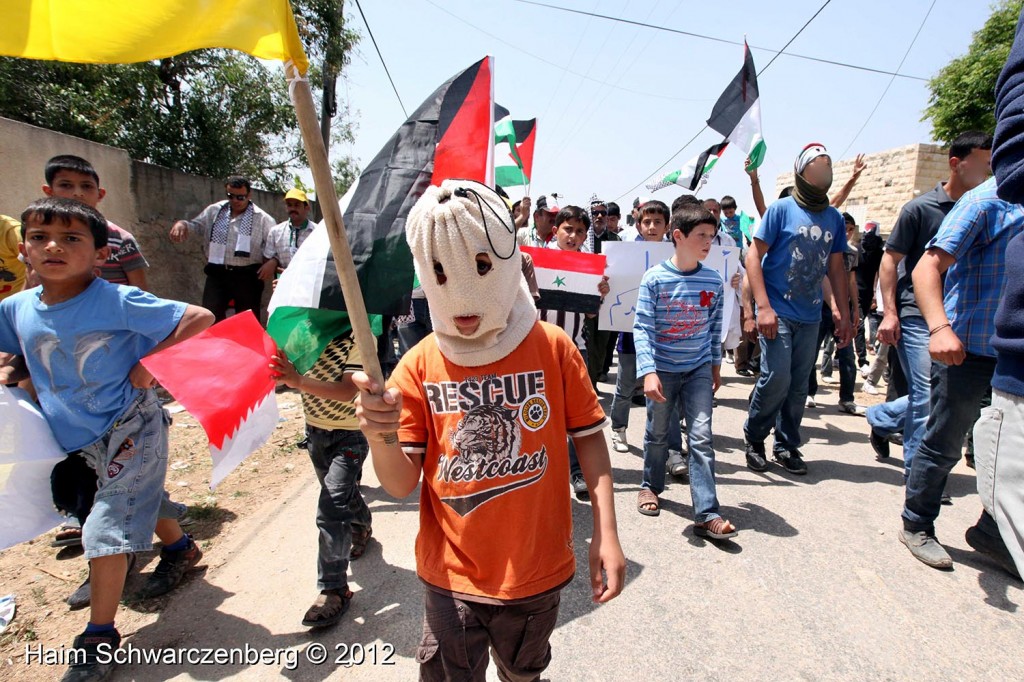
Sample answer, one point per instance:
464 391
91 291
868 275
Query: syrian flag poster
221 377
567 280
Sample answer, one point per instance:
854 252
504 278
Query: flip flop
648 497
713 529
67 536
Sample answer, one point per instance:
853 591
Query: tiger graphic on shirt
485 447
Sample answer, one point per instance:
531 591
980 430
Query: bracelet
933 332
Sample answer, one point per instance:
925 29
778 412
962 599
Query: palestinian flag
450 135
220 376
513 140
737 113
306 309
567 279
695 172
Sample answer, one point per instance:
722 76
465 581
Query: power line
566 69
718 40
383 63
889 84
763 69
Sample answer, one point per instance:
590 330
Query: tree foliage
209 112
963 92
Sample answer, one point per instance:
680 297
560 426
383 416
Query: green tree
963 92
209 112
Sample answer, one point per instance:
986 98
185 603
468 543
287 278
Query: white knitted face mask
449 227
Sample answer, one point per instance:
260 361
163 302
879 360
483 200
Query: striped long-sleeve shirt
678 321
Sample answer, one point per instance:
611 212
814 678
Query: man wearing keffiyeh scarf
235 231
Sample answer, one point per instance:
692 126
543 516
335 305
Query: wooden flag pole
323 181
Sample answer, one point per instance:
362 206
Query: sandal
715 529
328 609
67 536
647 498
360 539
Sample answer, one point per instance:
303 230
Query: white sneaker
619 443
810 402
870 388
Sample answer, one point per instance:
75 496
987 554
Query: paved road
816 586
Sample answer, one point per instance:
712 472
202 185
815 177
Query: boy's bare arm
767 320
194 320
605 551
283 372
841 294
380 415
137 278
12 369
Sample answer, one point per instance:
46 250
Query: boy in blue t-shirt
678 335
81 339
800 238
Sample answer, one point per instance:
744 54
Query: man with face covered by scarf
482 408
801 239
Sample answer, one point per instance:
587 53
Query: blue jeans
337 457
780 393
917 366
957 391
693 390
130 461
888 418
625 381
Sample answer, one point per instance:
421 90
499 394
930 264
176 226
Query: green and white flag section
513 140
695 172
299 323
737 113
567 279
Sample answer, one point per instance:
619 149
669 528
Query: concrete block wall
892 178
142 198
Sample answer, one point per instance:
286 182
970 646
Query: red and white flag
220 376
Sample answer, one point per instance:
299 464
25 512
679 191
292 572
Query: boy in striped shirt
678 336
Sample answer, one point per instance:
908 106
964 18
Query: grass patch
204 511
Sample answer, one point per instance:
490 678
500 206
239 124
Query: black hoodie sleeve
1008 146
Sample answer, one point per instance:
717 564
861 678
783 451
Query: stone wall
891 179
142 198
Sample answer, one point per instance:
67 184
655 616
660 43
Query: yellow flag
124 31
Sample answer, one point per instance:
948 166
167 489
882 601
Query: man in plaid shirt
971 246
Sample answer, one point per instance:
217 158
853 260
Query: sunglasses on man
237 197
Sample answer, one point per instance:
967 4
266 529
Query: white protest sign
628 261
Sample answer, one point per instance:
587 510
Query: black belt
230 268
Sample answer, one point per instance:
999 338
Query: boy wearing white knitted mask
482 408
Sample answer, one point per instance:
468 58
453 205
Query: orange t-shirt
495 515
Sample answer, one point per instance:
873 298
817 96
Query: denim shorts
131 463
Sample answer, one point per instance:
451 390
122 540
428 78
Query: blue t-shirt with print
80 351
799 245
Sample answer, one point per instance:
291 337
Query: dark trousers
847 368
337 456
459 634
227 283
597 344
957 391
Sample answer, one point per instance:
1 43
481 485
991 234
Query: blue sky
613 101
